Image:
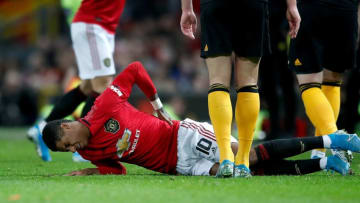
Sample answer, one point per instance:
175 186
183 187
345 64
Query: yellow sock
318 109
332 93
220 111
246 113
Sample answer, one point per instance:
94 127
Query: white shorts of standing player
94 48
197 148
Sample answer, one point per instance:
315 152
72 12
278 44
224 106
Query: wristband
156 104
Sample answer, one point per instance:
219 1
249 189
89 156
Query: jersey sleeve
135 73
110 167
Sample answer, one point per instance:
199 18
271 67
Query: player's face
68 144
71 140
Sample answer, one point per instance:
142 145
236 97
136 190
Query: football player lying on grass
114 132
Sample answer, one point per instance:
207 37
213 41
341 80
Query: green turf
25 178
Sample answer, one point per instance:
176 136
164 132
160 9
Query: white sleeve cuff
156 104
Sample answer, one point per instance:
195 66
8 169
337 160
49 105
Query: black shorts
239 26
326 39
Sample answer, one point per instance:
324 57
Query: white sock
317 153
323 162
327 141
42 125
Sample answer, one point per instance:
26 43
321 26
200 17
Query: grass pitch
25 178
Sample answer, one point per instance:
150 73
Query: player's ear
65 125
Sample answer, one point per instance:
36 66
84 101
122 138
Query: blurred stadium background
37 62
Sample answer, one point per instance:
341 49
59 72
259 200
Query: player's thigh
86 87
99 84
250 30
216 22
219 69
93 50
340 45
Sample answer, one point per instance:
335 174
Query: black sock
283 148
88 104
67 104
286 167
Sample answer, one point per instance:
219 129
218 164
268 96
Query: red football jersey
120 132
105 13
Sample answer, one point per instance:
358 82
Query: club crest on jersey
112 126
107 62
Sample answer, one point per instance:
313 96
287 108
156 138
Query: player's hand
84 172
188 23
293 17
163 115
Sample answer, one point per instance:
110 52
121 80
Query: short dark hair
52 133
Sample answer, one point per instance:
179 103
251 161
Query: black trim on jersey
85 121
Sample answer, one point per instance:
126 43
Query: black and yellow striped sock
220 111
318 108
246 113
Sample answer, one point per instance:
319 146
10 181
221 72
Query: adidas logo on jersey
206 48
297 62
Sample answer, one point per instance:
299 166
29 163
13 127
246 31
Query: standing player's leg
251 41
306 51
220 108
317 106
216 49
335 62
94 49
331 89
247 109
100 83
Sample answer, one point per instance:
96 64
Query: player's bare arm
293 17
158 107
143 80
84 172
188 21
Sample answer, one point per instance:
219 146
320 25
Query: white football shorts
94 48
197 148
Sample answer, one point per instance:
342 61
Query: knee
85 87
99 84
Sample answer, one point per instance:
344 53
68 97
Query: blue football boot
335 163
34 134
226 169
241 171
341 140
